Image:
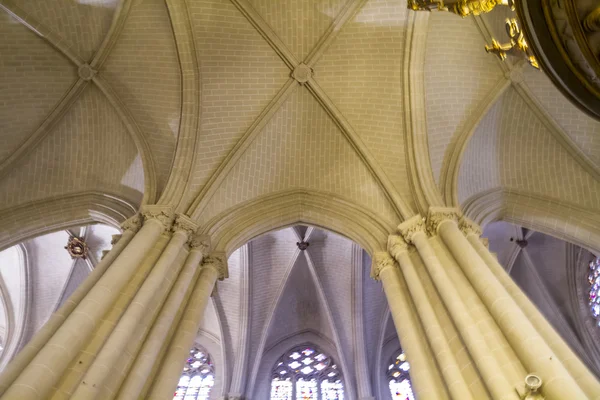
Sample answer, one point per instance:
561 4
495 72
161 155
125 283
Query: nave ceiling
204 111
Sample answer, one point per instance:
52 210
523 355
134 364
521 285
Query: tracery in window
399 378
197 378
594 293
306 373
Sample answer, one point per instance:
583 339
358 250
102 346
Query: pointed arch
232 228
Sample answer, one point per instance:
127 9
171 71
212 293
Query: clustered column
495 336
108 339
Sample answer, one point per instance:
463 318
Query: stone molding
132 224
469 227
437 215
163 214
184 223
396 245
217 260
411 226
381 261
200 242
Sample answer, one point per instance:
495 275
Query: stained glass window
306 373
197 378
399 378
594 294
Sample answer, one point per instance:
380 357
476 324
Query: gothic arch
44 216
232 228
563 221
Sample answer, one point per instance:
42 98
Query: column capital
396 245
469 227
217 260
185 224
437 215
132 224
161 213
411 226
200 243
381 260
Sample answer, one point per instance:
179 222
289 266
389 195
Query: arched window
198 376
594 294
398 377
306 373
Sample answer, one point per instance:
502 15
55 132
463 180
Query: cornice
468 227
163 214
409 228
185 224
200 243
437 215
396 245
218 261
133 224
381 260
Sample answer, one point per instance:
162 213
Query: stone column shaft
426 382
134 384
24 357
486 363
165 382
79 366
450 370
533 351
47 367
578 370
153 291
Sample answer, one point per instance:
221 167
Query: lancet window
594 293
306 373
197 378
399 378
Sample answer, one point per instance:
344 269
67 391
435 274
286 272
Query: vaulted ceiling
278 294
197 103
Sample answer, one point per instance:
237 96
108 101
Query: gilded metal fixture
463 8
517 44
591 23
77 248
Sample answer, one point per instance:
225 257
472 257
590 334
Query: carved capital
163 214
468 227
185 224
132 224
396 246
437 215
115 239
381 260
200 242
411 226
217 260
